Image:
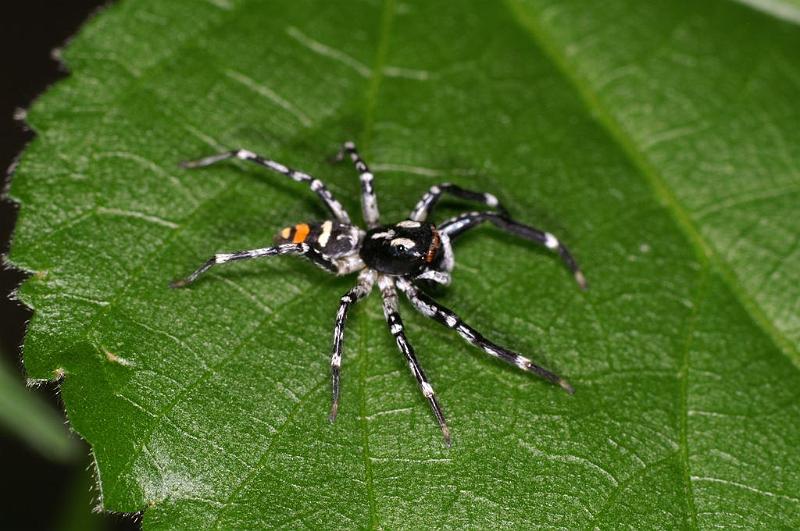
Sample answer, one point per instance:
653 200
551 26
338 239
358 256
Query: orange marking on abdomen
301 231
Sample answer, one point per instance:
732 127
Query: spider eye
402 244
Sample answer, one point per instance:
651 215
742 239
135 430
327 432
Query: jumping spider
395 256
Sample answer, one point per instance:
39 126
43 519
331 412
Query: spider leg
365 281
289 248
456 226
432 275
430 308
317 186
369 203
432 196
396 328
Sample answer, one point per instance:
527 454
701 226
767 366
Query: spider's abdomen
404 248
331 238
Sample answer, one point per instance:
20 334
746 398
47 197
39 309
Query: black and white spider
395 256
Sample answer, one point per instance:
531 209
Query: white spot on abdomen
326 233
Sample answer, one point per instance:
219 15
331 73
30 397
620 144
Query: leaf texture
655 144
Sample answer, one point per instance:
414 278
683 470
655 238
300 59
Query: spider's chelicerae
393 256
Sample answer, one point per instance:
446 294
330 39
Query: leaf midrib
371 100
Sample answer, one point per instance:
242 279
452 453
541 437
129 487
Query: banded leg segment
396 328
456 226
432 196
289 248
369 202
317 186
430 308
365 282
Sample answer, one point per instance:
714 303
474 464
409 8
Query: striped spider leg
395 322
430 308
366 279
456 226
317 186
369 202
303 249
431 197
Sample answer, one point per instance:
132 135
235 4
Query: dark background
34 492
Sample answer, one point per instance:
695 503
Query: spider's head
404 248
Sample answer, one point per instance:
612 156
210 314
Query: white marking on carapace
405 242
409 224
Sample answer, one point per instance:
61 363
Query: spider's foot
334 411
446 435
199 163
179 283
581 280
213 159
566 386
196 163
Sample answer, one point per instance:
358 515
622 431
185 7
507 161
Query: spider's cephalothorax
397 256
405 248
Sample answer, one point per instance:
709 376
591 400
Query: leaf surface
646 137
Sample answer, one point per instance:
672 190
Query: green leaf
24 415
658 140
